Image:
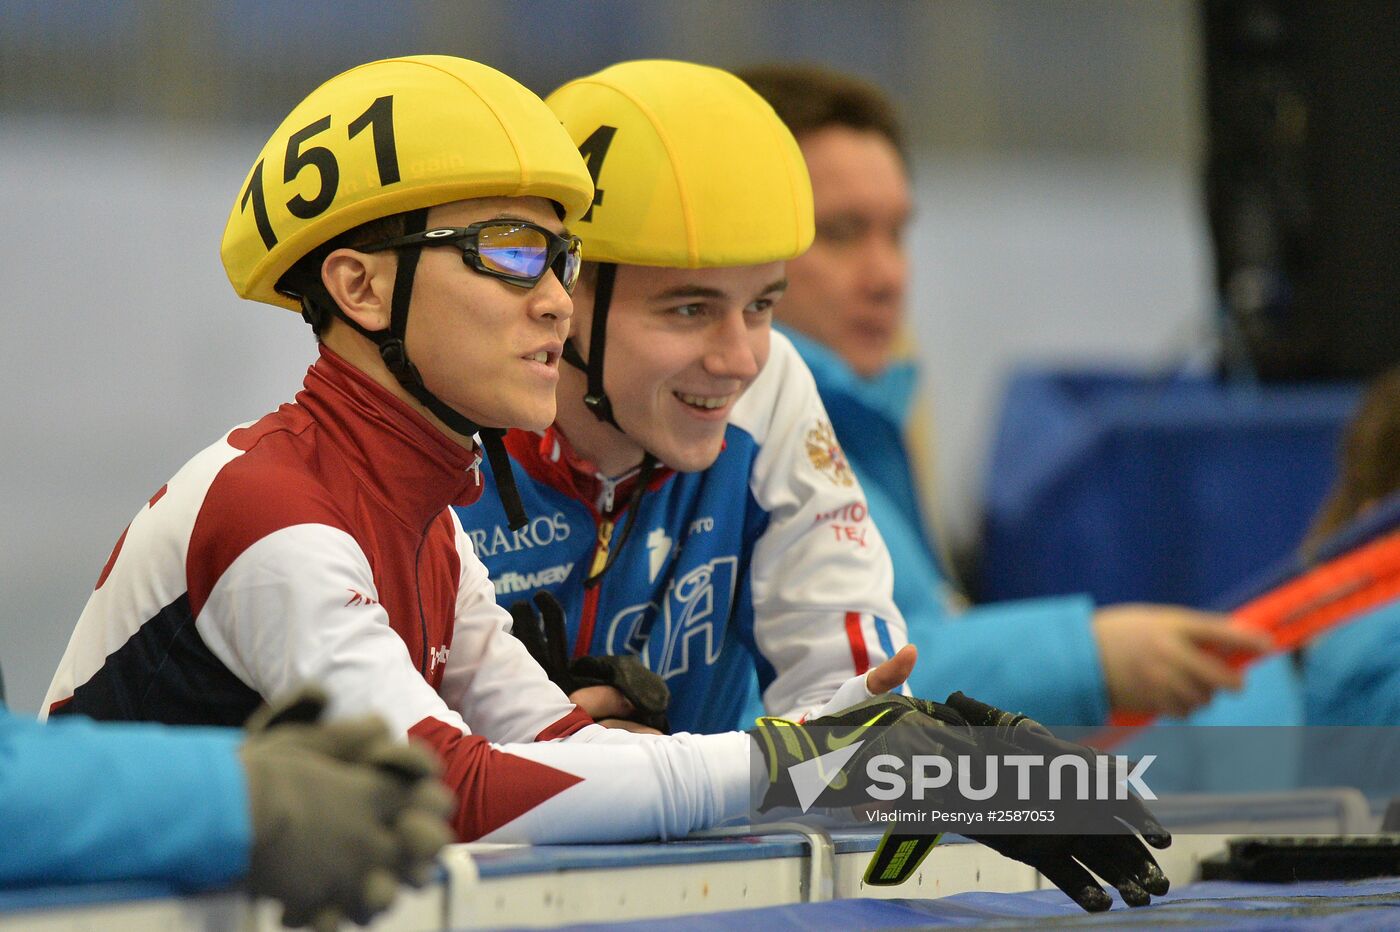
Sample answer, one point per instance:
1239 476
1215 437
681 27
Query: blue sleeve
82 802
1351 676
1038 656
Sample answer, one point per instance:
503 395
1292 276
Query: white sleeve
632 787
278 619
821 577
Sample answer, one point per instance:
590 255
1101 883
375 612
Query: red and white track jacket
317 545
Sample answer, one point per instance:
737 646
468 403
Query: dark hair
810 97
1370 460
303 279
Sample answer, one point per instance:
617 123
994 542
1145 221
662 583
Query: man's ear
362 284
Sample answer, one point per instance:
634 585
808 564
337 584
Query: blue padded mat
1369 904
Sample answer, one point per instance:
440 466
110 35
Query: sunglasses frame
468 240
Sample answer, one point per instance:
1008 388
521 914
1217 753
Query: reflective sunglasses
516 251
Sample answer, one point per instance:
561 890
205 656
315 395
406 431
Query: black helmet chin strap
597 401
394 351
597 397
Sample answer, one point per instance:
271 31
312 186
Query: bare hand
1167 660
893 672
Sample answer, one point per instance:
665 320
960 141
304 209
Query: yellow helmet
693 168
387 137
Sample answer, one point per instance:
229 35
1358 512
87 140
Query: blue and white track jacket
766 561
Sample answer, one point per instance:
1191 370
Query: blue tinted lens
513 250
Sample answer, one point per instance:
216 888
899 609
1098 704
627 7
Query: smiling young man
691 506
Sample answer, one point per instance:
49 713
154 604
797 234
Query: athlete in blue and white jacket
766 560
690 505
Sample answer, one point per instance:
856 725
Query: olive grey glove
341 813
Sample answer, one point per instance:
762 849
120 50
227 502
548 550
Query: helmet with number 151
359 163
388 137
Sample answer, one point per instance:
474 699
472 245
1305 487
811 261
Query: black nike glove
905 727
545 636
1118 857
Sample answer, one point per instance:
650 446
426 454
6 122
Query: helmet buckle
395 355
600 406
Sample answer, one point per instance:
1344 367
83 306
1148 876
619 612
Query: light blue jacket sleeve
1352 675
83 802
1037 656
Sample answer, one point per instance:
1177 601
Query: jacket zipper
475 470
590 594
418 590
606 497
604 505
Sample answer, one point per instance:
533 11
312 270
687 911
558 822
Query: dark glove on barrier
907 727
340 813
1121 859
545 636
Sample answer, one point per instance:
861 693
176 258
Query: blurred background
1060 155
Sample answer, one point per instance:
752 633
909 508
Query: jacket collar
396 453
889 395
548 457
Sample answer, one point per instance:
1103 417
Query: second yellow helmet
692 168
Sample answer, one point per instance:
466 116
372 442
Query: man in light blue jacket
1060 660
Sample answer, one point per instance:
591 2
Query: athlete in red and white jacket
317 545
